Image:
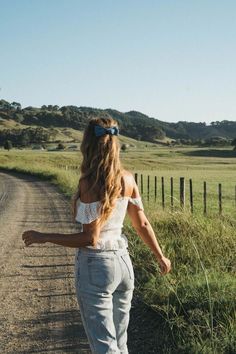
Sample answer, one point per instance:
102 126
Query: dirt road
38 308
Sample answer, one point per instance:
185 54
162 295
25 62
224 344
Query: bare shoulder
127 175
129 182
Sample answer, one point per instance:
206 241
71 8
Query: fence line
139 179
68 167
182 193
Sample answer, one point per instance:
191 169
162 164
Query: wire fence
172 193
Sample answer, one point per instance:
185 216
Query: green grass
195 303
151 160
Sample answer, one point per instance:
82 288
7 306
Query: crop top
111 236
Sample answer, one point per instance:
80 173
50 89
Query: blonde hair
101 167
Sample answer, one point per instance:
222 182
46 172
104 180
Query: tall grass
196 301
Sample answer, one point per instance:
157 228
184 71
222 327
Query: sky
174 60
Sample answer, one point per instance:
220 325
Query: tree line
132 124
24 137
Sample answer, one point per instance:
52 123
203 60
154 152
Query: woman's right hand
165 265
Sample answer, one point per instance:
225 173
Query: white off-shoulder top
111 236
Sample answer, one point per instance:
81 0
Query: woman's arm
88 237
145 231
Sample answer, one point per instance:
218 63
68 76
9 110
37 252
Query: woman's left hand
31 236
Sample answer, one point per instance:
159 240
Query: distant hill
133 124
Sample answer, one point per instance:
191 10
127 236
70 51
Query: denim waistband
90 251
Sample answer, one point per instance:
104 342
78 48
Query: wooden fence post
204 197
235 194
141 183
182 192
163 192
171 193
155 188
136 178
148 186
191 194
220 198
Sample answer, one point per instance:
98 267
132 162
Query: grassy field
195 304
147 159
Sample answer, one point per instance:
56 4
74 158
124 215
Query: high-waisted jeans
104 282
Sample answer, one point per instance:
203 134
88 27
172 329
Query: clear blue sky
173 60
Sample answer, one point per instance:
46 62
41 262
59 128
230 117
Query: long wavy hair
101 167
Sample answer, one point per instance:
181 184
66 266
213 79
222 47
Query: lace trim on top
88 212
137 201
122 242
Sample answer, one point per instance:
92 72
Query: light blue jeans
104 282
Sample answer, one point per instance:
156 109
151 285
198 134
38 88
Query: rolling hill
69 121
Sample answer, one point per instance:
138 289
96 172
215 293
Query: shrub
8 145
60 146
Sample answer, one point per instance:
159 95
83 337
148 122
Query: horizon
173 62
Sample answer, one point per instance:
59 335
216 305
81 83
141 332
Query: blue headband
99 130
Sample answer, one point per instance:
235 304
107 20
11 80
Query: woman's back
88 210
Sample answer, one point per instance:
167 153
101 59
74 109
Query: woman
104 275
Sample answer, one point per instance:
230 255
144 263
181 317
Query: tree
60 146
8 145
19 117
124 147
16 105
233 143
24 139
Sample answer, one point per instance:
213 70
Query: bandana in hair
99 130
